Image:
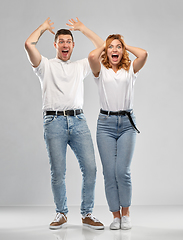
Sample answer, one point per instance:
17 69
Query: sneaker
59 221
116 224
126 223
90 221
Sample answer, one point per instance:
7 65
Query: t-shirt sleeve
40 70
100 74
85 67
132 71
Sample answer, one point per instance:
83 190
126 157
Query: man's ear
54 44
73 44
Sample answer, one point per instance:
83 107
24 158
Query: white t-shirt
116 90
62 83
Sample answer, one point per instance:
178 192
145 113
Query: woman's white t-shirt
116 90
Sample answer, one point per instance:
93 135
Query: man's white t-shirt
116 90
62 83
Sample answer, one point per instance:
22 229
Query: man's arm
78 25
30 44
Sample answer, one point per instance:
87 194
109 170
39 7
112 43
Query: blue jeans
116 142
73 130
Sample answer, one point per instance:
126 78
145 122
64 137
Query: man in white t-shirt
64 122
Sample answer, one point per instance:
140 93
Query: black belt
119 113
64 113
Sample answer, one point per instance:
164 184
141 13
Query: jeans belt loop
64 113
74 112
56 114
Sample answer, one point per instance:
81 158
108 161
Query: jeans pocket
48 119
81 117
103 117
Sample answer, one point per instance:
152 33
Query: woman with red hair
115 76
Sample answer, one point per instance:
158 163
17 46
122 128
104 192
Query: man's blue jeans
116 142
73 130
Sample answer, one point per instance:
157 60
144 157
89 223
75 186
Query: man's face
64 47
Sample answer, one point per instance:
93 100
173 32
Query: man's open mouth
65 52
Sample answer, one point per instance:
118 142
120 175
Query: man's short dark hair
63 32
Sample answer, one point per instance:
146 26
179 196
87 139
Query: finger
69 25
73 20
52 32
77 19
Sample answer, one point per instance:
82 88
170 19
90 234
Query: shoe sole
115 228
57 227
93 227
126 228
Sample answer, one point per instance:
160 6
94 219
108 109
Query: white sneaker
126 223
115 225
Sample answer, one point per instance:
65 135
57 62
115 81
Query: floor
149 222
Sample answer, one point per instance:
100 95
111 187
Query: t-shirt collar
63 62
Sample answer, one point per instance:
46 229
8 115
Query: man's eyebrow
65 39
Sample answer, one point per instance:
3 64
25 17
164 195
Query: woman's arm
141 55
94 59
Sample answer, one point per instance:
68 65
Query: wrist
83 28
43 27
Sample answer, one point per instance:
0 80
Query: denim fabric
116 141
73 130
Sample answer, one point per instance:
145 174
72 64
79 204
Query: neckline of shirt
63 62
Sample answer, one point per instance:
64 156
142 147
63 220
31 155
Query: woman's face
115 52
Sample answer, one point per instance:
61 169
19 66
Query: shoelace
89 215
58 217
125 219
117 220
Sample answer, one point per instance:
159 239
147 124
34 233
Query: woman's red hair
125 61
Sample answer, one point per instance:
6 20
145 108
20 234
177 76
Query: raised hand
49 25
75 25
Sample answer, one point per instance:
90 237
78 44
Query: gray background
157 164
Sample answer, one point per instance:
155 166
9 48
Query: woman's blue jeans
73 130
116 141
